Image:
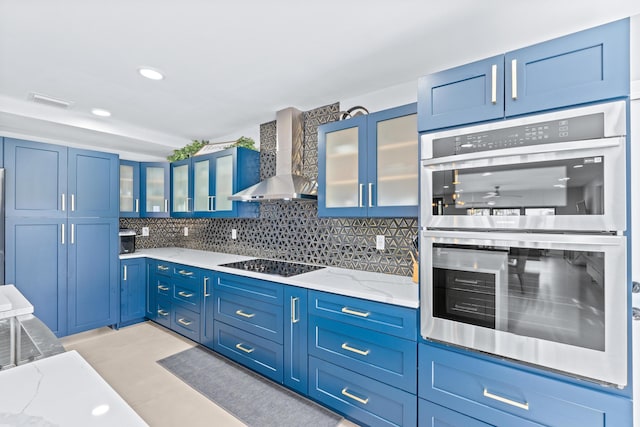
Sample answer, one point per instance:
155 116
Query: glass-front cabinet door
342 168
202 199
223 183
392 189
154 179
180 183
129 189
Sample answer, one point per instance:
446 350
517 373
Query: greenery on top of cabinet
190 150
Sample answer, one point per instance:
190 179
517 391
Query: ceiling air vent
49 100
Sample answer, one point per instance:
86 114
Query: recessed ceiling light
100 112
150 73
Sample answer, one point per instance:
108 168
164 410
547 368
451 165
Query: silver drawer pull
162 312
163 288
347 347
246 350
243 314
184 322
347 310
186 273
354 397
185 294
163 268
466 282
524 406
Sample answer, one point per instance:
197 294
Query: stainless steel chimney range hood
288 183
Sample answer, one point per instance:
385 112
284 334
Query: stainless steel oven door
553 300
571 186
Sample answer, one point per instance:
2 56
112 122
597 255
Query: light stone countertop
387 288
61 390
13 303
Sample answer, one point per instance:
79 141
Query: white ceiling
230 65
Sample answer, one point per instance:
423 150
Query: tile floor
126 359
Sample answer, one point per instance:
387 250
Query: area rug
254 400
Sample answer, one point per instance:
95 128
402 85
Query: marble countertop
13 303
61 390
387 288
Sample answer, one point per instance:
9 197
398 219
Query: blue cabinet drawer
386 358
187 294
163 312
161 267
261 355
186 272
256 289
380 317
494 393
186 322
432 415
162 285
259 318
360 398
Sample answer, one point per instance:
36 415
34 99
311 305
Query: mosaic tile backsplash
289 230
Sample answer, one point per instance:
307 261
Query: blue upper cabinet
582 67
201 185
154 190
586 66
93 184
36 179
368 165
129 189
465 94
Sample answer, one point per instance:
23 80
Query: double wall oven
523 246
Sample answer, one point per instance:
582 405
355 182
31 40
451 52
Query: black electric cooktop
268 266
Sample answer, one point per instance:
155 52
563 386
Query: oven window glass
555 295
559 187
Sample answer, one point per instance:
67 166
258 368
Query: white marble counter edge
378 287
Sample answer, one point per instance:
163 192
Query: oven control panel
549 132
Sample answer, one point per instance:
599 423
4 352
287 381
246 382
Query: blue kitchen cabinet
207 310
154 189
1 152
92 184
132 290
497 394
36 262
129 189
93 279
201 185
582 67
296 372
36 179
432 415
368 165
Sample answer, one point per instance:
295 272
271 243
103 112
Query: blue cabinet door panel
185 322
206 313
93 184
254 316
36 179
432 415
389 359
582 67
132 290
257 289
466 94
496 393
36 262
295 339
94 299
360 398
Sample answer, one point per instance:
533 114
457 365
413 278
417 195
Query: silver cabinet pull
137 205
186 273
62 233
345 392
73 202
347 347
163 288
347 310
73 234
360 189
240 347
295 312
514 79
185 294
205 285
166 205
370 194
163 268
489 395
63 202
124 272
162 312
494 83
212 203
466 282
184 322
243 314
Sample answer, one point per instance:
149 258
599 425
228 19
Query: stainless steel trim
608 366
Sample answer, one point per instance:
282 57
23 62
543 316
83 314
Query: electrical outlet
145 231
380 242
186 231
234 233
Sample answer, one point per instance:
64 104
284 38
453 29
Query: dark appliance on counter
127 241
523 245
276 268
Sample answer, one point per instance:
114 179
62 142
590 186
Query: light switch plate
380 242
145 231
234 233
186 231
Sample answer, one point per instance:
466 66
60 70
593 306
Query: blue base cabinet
133 281
583 67
502 395
296 373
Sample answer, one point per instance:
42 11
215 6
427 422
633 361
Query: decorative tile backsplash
291 230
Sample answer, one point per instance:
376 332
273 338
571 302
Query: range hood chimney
288 183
